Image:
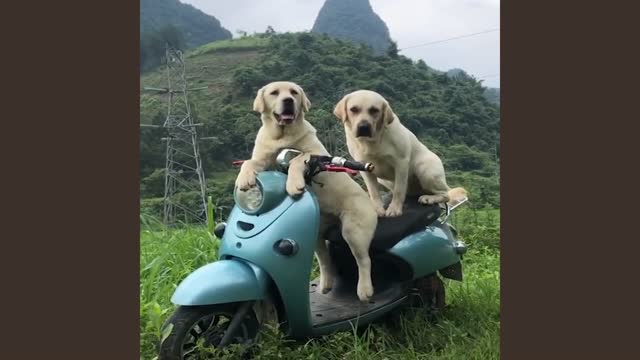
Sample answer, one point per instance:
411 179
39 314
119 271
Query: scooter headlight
251 200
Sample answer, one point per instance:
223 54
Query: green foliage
167 257
469 328
460 157
492 95
153 185
151 208
153 45
210 219
392 50
353 20
198 27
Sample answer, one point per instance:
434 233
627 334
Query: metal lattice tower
184 173
334 139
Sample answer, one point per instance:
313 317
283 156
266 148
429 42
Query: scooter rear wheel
191 327
431 293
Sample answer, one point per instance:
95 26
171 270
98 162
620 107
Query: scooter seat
391 230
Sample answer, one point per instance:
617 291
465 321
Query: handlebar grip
368 167
353 165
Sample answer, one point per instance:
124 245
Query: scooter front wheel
193 327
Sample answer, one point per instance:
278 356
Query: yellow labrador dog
282 106
403 164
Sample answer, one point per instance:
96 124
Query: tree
153 45
392 50
173 36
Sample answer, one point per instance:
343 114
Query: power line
449 39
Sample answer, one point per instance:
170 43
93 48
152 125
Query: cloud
410 22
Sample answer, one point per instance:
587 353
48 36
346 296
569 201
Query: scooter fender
223 281
430 251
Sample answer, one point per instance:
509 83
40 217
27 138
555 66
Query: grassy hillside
450 115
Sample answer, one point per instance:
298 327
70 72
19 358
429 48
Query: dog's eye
355 110
374 111
275 92
293 92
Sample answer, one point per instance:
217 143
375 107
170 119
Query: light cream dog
402 163
282 106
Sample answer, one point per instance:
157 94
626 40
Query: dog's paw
393 210
246 180
379 208
365 291
295 185
326 283
431 199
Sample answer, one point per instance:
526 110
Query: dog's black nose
364 129
287 104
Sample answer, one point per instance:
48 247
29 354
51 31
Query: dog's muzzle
363 130
288 112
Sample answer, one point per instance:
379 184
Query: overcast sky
411 22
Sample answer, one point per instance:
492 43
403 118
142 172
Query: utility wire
449 39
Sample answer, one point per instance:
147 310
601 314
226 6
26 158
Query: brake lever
334 168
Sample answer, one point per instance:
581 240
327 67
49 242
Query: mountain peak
197 27
353 20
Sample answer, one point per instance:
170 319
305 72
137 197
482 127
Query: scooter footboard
223 281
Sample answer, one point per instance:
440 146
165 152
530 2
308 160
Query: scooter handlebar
353 165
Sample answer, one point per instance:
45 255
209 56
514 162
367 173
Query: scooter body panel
221 282
298 220
428 251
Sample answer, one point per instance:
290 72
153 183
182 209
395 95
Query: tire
431 293
190 325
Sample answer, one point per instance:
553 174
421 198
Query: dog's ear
340 111
258 103
306 104
387 113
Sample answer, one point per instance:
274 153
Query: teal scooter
266 256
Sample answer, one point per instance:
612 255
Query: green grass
246 43
469 328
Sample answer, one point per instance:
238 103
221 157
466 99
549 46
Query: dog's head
282 102
365 113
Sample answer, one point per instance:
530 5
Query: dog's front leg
295 175
374 194
247 176
400 182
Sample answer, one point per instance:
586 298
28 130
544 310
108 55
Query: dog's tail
456 195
